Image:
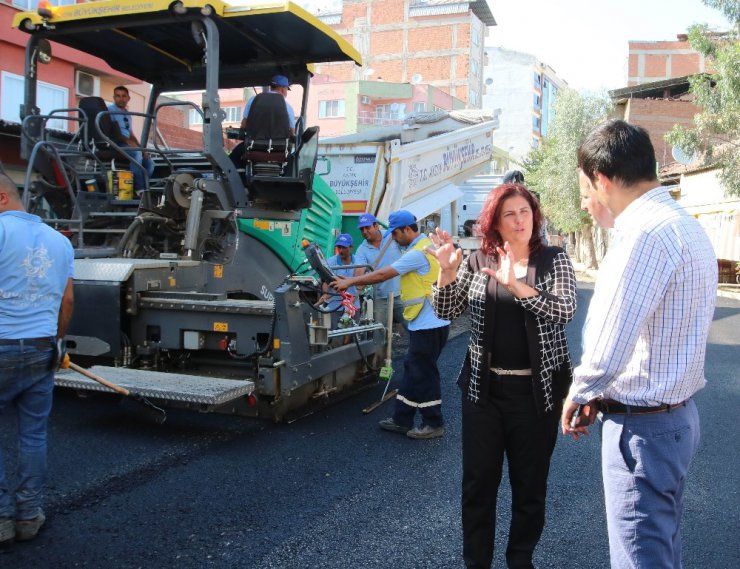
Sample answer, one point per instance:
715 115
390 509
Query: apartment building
69 76
525 90
434 42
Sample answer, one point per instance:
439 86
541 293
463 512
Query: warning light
44 9
251 400
304 243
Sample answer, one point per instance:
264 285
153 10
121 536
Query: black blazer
551 273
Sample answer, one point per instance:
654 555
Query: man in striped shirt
644 345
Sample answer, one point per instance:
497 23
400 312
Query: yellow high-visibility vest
416 288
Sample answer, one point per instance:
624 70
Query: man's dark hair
121 88
513 177
620 151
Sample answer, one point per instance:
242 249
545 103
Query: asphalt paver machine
198 293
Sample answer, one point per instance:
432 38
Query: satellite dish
489 81
416 78
682 157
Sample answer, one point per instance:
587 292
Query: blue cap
344 240
366 220
280 81
400 218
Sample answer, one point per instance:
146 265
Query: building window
473 97
537 80
419 107
474 67
232 114
33 4
535 143
475 36
536 101
329 109
394 111
536 124
48 98
194 117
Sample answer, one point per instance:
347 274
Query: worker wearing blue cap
278 84
420 388
331 296
378 251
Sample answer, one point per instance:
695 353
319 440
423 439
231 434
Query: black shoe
390 425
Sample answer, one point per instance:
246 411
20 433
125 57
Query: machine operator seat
92 107
279 166
267 141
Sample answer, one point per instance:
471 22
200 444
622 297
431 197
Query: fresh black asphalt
333 491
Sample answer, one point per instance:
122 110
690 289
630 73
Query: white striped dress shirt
645 335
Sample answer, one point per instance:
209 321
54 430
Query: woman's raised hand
506 261
448 256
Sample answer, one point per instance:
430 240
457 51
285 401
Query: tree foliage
551 168
716 135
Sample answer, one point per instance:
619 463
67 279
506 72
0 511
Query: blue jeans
139 179
644 461
26 383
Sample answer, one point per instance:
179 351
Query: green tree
551 168
716 135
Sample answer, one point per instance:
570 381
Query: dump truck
201 292
416 165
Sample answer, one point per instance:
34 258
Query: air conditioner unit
365 100
86 84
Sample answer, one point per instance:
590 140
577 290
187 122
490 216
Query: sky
584 41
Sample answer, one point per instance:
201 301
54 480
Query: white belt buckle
500 371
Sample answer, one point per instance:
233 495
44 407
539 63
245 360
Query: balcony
371 118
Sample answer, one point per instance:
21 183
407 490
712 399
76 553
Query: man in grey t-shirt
380 251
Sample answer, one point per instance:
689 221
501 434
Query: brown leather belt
617 408
35 342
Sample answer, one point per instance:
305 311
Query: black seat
92 107
267 141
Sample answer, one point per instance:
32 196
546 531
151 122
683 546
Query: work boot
390 425
7 529
426 432
26 530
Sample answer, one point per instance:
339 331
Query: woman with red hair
517 369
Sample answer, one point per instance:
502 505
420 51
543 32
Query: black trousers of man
506 424
420 388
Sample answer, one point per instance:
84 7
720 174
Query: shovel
386 372
137 404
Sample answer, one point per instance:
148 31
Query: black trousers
420 388
506 424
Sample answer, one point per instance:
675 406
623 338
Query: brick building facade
438 43
651 61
